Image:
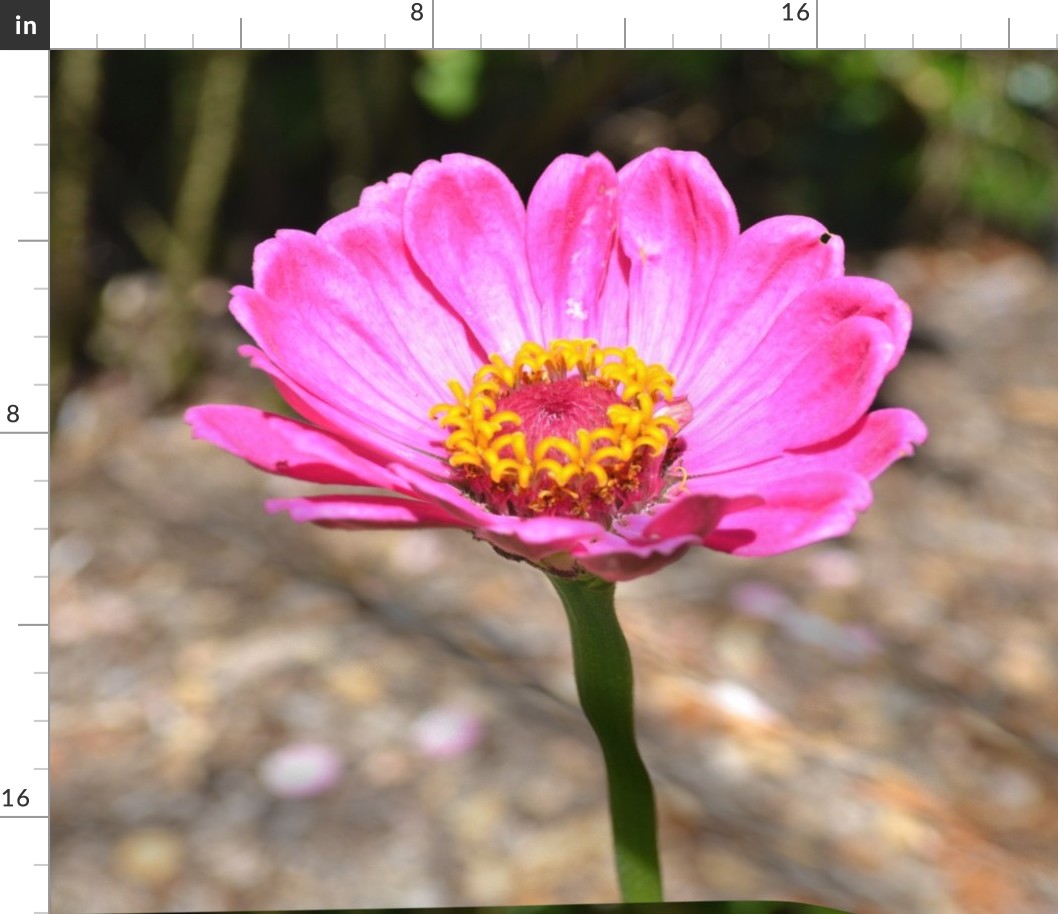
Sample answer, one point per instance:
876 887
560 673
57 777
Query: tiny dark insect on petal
825 237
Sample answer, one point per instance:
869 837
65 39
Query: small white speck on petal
575 308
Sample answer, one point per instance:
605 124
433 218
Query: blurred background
252 714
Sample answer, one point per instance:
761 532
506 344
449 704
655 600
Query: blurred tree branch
77 96
180 251
212 149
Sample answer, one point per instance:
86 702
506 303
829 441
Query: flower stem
603 669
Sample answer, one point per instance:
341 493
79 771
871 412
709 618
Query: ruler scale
554 24
24 334
33 28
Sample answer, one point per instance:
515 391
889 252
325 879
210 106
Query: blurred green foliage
988 147
178 163
449 82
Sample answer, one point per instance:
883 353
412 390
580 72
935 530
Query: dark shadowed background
249 713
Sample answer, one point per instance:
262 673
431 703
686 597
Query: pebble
151 856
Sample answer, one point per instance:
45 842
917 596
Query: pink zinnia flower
593 382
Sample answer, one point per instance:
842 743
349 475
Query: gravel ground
252 714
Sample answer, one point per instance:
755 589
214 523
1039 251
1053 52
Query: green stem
603 669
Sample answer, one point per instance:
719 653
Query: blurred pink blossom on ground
301 770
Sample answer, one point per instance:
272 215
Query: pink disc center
559 409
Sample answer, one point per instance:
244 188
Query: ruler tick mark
32 624
625 40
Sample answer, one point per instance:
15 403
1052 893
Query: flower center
571 429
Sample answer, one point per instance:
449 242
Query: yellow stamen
487 437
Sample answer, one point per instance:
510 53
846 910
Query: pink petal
438 492
868 448
695 514
677 221
829 302
782 401
419 328
465 226
798 327
386 196
571 224
795 511
363 512
613 301
533 538
285 447
810 494
536 538
614 558
314 317
319 320
364 431
644 543
766 268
